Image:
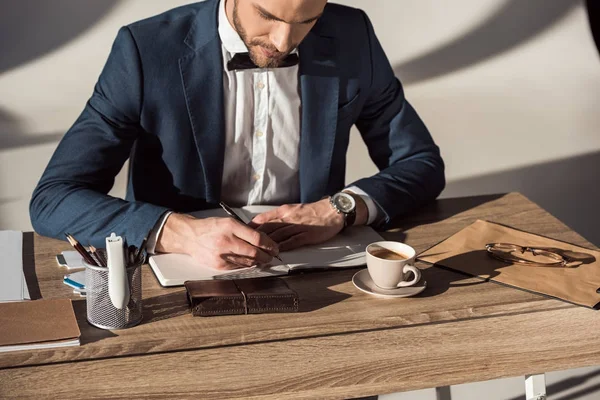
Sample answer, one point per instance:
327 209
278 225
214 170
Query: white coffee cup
392 273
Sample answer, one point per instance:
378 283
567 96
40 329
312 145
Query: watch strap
349 218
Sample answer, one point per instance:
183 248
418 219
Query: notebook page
36 346
174 269
26 295
347 249
11 270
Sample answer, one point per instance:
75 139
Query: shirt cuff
155 233
371 206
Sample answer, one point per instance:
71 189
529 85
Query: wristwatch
344 204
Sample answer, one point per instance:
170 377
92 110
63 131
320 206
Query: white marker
118 286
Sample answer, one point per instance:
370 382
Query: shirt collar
229 37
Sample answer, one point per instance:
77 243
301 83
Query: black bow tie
243 61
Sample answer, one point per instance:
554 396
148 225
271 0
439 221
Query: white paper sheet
12 280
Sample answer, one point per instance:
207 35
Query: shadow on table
89 333
440 210
477 263
29 267
316 289
440 277
165 306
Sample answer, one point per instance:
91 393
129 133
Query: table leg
535 387
443 393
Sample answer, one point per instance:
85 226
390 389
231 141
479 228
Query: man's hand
296 225
220 243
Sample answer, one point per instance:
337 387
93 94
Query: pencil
131 251
95 258
99 256
140 250
81 250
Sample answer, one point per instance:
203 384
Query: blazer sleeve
411 168
71 195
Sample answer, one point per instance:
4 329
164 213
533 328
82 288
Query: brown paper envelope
465 252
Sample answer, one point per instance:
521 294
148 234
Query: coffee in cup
390 264
387 254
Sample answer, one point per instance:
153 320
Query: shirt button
260 85
256 177
259 134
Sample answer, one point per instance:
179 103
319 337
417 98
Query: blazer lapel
319 85
202 78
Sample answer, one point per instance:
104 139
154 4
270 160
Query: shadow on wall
12 135
32 28
567 188
593 8
513 24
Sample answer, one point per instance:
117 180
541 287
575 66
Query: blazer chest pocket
348 109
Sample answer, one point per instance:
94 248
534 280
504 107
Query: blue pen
73 284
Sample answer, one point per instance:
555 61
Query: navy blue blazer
159 103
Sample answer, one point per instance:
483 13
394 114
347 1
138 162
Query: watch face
344 202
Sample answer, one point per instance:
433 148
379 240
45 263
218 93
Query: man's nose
282 38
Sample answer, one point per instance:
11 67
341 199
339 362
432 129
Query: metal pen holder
100 310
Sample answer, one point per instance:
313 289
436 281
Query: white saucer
362 280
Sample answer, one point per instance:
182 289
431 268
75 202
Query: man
245 101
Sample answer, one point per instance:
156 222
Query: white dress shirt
262 128
262 133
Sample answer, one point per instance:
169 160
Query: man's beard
253 46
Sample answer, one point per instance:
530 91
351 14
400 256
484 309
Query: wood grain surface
357 364
343 343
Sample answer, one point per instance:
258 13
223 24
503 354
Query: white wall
509 89
517 109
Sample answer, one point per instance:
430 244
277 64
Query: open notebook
343 251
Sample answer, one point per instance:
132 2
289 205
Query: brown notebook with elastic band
578 281
242 296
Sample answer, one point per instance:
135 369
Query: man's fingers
253 225
267 216
253 254
222 263
294 242
255 238
285 232
270 227
238 261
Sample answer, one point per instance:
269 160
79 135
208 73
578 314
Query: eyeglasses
513 253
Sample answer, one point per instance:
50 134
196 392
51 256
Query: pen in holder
114 292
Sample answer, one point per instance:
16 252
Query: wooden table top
342 344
